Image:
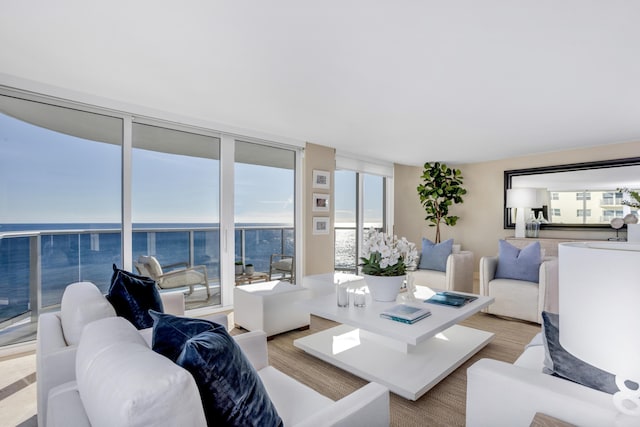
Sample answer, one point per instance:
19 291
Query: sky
51 177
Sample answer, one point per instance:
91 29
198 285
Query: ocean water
76 252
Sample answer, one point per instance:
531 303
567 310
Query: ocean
83 251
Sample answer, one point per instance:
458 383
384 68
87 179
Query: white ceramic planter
383 288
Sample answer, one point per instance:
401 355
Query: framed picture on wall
320 202
321 179
320 225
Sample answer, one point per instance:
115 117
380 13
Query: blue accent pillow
231 391
132 297
434 255
518 264
560 363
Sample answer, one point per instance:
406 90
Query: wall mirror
578 195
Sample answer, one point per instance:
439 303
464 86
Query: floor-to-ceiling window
83 188
360 203
59 202
175 204
345 210
264 207
373 202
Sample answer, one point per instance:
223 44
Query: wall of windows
83 188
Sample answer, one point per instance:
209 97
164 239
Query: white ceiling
405 80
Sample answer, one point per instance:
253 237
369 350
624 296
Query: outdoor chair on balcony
281 267
173 278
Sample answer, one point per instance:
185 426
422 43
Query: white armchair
518 298
457 277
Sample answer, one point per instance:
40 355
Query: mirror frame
602 164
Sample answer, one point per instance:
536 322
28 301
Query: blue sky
48 177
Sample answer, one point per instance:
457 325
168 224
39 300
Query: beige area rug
443 405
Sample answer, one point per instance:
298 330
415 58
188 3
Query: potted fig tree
441 188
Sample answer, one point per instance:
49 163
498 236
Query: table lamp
518 199
599 291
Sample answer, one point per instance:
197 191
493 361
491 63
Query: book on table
405 313
451 299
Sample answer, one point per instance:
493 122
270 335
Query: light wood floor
444 405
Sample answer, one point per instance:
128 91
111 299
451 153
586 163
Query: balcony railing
36 266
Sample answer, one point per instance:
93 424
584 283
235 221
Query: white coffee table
408 359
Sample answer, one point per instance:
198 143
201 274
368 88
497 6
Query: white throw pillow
82 303
124 383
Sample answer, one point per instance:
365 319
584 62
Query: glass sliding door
373 197
60 203
175 207
264 208
345 216
359 205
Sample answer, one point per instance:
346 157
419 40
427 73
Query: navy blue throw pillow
231 391
132 297
565 365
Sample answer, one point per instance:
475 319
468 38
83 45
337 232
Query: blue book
405 313
451 299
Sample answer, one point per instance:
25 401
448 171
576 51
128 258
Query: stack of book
405 313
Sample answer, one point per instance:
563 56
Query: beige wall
318 251
481 223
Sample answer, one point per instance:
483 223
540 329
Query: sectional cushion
82 303
231 391
434 255
561 363
518 264
133 296
123 383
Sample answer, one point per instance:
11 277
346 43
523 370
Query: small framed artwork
320 225
320 202
321 179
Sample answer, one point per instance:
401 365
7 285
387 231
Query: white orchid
386 255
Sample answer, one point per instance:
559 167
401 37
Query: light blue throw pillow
518 264
434 255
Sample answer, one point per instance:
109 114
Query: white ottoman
270 307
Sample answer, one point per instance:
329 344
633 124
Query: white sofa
121 381
59 333
520 299
509 395
457 277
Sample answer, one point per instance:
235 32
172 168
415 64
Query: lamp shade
599 291
522 198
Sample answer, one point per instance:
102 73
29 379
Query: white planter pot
238 270
383 288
